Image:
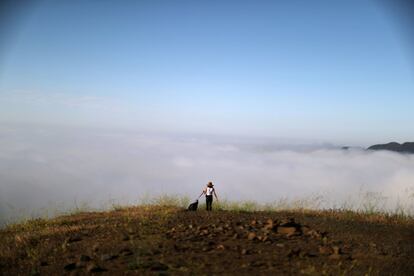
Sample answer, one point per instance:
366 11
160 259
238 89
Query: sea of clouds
49 169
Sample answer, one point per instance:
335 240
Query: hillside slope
154 239
407 147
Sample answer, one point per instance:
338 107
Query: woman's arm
202 193
214 192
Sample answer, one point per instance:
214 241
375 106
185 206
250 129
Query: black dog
193 206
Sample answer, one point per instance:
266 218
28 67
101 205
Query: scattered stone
84 258
311 254
70 266
281 245
74 238
125 237
245 251
335 256
155 251
291 223
220 247
336 253
92 267
257 264
219 229
287 230
81 264
269 225
293 253
312 233
95 247
306 229
337 250
325 250
108 257
251 236
125 252
158 266
211 243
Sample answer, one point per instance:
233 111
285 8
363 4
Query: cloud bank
42 167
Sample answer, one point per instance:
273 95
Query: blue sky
336 71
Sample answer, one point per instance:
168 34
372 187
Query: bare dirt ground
167 240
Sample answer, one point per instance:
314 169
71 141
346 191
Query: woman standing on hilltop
209 191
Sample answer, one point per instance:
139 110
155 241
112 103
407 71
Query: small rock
269 225
211 243
337 250
125 237
74 238
108 257
92 267
257 264
305 229
220 247
95 247
291 223
251 236
125 252
281 245
325 250
70 266
293 253
287 230
313 234
84 258
80 264
335 256
155 251
158 266
311 254
245 251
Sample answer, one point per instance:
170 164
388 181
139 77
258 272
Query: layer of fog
44 169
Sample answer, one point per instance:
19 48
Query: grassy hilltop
161 239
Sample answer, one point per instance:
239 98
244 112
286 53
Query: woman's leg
209 201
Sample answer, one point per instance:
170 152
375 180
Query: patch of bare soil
164 240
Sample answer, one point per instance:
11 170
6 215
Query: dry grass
368 211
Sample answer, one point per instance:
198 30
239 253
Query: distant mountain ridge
407 147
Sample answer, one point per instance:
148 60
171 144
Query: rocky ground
167 240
